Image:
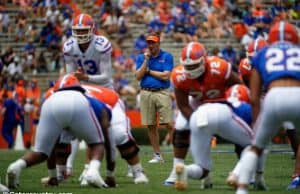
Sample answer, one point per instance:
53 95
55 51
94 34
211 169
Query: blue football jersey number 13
89 66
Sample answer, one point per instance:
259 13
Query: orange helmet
83 23
245 69
192 54
283 31
66 81
238 92
254 46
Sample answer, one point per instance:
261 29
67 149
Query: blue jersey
163 62
243 110
279 60
98 107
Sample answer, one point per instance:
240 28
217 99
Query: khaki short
156 102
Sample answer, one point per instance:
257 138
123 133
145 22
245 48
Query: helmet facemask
83 34
195 70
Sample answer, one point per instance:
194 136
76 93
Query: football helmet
191 55
283 31
66 81
254 46
245 69
83 28
238 92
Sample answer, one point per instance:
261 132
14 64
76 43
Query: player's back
106 95
279 60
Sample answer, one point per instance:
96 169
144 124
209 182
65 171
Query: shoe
140 178
94 179
47 181
260 185
84 182
206 183
129 173
12 177
294 184
3 189
181 177
86 167
156 159
232 180
171 179
69 172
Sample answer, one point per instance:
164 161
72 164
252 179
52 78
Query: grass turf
279 167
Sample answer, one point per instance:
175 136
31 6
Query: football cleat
129 173
140 178
86 166
157 158
47 181
94 179
12 177
260 185
232 180
295 184
171 179
3 189
206 183
181 177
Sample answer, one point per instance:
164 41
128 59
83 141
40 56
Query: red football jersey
212 84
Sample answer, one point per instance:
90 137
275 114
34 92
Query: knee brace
181 139
128 150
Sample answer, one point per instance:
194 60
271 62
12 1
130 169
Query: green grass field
279 168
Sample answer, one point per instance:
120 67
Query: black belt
153 89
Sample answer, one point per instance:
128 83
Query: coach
153 69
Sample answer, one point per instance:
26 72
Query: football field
279 167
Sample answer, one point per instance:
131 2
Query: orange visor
153 38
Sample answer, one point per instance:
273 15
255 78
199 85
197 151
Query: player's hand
110 181
81 76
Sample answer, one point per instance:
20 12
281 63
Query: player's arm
255 88
104 50
105 124
183 103
69 65
233 79
105 69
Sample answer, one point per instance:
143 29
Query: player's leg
72 156
47 133
265 129
181 142
85 125
292 135
201 136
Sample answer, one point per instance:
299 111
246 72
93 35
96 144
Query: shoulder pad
68 45
102 44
